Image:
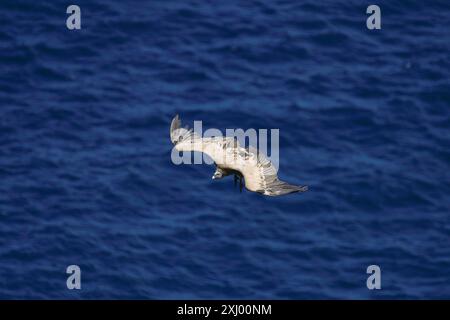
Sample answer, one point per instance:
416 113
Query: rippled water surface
85 170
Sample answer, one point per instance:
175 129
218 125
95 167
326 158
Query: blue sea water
86 176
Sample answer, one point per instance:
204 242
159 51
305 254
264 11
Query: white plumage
259 174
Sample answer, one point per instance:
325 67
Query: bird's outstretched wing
185 139
179 134
260 175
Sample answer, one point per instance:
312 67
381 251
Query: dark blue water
86 176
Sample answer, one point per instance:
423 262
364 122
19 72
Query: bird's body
259 174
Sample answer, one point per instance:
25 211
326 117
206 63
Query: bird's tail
279 188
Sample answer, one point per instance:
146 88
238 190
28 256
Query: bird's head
217 175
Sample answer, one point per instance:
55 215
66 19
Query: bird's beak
214 177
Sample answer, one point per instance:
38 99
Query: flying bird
249 166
